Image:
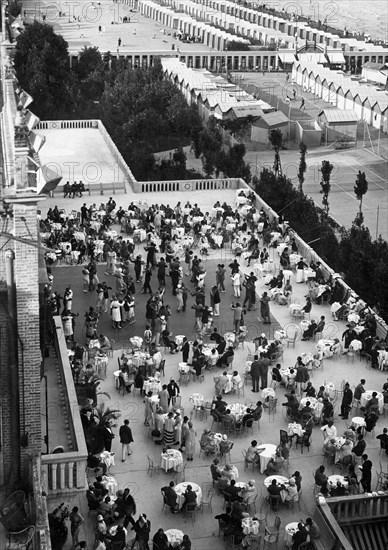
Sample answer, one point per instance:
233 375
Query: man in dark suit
233 491
171 497
185 350
255 373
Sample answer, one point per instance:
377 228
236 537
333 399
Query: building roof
339 115
271 120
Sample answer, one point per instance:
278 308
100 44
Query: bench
327 539
101 188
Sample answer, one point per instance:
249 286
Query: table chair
222 527
272 532
291 337
274 501
21 540
180 473
190 510
152 468
206 502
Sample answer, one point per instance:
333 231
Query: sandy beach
355 15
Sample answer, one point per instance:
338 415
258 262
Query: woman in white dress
115 309
236 281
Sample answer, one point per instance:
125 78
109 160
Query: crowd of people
170 236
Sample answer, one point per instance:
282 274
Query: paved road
343 203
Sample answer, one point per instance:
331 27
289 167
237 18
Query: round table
280 335
367 395
174 537
358 422
330 389
304 325
197 399
230 474
313 402
171 459
181 488
289 531
110 484
295 308
152 384
179 339
332 480
250 526
136 342
266 452
183 368
247 367
294 428
355 345
238 410
280 480
353 318
268 392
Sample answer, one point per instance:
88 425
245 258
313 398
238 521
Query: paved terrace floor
80 154
141 34
133 473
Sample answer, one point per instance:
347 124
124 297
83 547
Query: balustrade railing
65 472
359 508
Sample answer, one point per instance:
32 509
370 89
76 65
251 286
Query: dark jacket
125 434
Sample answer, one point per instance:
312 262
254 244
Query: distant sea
368 16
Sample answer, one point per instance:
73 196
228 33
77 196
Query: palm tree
360 190
276 140
105 415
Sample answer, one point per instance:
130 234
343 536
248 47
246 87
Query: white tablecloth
332 480
280 480
289 531
111 484
250 526
152 385
330 389
358 422
313 402
295 429
179 339
368 395
295 307
182 487
183 367
266 452
171 460
268 392
231 474
238 410
174 536
280 335
197 399
353 318
355 345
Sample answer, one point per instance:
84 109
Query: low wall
129 179
185 185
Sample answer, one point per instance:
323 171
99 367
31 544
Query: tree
210 143
326 171
276 140
302 164
360 189
89 60
42 68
